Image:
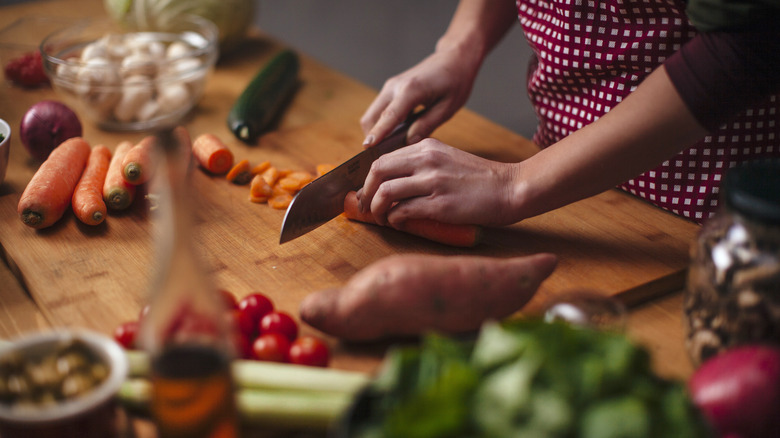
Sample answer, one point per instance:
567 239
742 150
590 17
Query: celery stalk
269 375
281 409
273 394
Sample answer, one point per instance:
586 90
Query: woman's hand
432 180
441 83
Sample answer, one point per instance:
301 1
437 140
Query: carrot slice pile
240 174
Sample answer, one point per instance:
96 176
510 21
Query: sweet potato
409 294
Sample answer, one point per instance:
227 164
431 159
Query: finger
374 111
393 193
411 207
424 126
389 166
391 116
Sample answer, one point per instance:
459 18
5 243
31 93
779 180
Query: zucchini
265 97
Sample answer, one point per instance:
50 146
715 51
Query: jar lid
753 189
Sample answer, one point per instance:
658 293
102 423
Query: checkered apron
590 54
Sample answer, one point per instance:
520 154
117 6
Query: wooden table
634 252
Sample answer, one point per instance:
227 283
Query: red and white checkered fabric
590 54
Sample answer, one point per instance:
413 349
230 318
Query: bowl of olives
60 383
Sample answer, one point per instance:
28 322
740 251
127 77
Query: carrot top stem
118 199
133 171
31 218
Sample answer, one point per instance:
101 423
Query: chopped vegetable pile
526 378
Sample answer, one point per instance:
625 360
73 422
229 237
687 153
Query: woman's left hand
432 180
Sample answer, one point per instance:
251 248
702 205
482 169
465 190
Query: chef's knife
323 199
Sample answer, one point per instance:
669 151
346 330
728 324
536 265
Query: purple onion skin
46 125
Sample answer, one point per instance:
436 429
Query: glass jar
185 331
733 288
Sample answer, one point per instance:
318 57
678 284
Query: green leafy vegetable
526 378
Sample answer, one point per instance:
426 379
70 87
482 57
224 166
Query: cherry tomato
273 347
125 334
229 299
279 322
253 307
309 350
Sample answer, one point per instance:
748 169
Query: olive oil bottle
185 332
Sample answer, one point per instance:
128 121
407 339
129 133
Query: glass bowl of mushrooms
61 383
132 79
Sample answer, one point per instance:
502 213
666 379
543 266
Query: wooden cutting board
97 276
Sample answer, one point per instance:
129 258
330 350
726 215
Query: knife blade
323 199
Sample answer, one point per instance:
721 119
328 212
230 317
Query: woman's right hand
441 83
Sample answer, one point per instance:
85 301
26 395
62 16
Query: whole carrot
138 164
212 154
118 193
87 201
49 192
448 234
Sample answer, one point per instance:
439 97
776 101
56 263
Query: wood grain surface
96 277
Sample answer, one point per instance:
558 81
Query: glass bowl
89 412
131 79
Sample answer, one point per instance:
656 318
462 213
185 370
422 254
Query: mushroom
136 91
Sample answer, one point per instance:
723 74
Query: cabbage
232 17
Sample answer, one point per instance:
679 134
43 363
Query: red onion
46 125
739 391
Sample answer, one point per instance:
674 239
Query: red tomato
279 322
253 307
125 334
309 350
273 347
230 300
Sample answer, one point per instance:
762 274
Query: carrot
448 234
323 168
49 192
240 173
212 154
118 193
409 294
281 201
138 166
276 189
295 181
259 190
271 175
261 167
87 201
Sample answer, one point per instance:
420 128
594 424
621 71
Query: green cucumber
265 97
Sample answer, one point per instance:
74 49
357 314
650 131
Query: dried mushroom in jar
70 370
733 290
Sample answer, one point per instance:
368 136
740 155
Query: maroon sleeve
718 74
